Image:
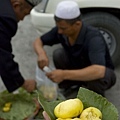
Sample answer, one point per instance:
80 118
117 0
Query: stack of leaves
22 105
88 98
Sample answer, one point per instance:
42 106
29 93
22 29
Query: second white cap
67 10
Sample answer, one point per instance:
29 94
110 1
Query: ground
24 54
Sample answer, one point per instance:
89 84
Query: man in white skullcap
11 12
84 58
70 11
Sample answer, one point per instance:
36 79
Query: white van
104 14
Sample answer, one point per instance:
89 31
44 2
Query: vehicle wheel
109 26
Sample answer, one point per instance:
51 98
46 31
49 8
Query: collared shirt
89 47
9 70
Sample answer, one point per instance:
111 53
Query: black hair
29 3
70 21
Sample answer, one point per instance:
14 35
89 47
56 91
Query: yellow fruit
6 109
68 108
91 113
64 119
68 119
76 119
8 104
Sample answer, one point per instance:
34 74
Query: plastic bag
45 85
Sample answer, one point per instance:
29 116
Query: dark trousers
61 61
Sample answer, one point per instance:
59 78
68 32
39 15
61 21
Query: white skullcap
67 10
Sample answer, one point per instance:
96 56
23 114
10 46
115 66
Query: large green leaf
22 105
48 106
90 98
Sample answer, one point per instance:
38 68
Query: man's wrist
24 84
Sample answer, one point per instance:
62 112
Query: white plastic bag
45 85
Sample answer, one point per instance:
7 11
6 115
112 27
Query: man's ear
78 22
16 4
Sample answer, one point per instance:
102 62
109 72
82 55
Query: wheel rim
110 40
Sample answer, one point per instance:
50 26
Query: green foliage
22 105
89 98
48 106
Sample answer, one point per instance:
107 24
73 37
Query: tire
109 26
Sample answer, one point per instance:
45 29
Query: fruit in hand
91 113
68 108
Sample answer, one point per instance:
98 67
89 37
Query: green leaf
22 105
90 98
48 106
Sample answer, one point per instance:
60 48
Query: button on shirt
89 48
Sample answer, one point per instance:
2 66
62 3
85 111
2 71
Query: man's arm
9 72
41 53
89 73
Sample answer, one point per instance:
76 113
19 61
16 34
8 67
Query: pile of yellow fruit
73 109
7 107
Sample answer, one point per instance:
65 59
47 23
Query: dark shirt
9 70
89 48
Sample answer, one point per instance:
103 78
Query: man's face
22 13
21 8
65 28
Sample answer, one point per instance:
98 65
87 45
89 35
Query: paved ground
24 54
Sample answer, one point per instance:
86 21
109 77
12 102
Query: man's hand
29 85
41 53
56 75
43 61
46 117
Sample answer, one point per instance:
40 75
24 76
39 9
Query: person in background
83 60
11 12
